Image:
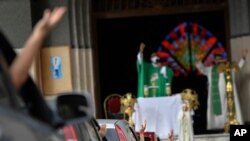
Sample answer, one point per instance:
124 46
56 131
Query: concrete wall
239 17
61 34
242 77
74 31
240 38
15 20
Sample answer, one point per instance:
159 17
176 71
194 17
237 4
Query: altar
161 114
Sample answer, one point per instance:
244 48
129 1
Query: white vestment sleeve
241 63
203 69
139 58
163 71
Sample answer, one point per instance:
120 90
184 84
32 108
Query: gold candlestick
227 69
168 89
154 88
146 92
128 101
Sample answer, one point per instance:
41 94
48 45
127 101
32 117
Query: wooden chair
112 107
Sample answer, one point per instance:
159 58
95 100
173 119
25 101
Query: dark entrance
199 84
118 43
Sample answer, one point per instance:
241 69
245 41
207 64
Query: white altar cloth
161 114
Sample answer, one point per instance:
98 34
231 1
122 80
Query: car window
121 133
132 134
92 131
111 135
127 130
87 131
82 132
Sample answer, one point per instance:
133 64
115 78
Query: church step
208 137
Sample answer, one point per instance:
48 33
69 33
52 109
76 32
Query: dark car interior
30 94
29 100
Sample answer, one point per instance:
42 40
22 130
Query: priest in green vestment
217 97
154 79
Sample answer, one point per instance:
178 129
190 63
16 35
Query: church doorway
118 44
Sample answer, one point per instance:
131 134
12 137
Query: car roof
123 124
110 123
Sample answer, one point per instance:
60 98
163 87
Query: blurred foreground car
78 129
72 116
15 122
118 130
84 131
24 114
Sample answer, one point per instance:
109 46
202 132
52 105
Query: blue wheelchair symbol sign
56 67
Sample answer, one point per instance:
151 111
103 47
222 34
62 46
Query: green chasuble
216 101
150 77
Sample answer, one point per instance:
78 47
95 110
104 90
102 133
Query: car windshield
132 135
87 131
111 134
128 131
92 131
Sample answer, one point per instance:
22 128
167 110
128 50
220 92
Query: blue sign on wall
56 67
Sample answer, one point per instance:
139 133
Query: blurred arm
19 69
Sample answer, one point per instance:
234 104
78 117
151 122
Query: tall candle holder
128 101
227 68
146 91
154 88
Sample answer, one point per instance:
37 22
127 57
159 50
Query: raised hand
142 130
142 46
143 127
20 67
171 135
103 130
49 20
244 53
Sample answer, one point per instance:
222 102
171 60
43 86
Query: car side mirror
74 105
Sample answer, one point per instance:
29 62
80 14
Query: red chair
112 107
